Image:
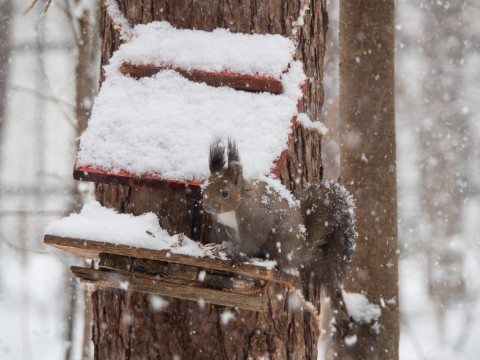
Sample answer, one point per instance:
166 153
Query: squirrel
260 222
315 234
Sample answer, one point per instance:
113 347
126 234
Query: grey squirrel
316 236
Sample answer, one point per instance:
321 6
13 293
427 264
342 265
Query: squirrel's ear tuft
233 152
217 156
234 170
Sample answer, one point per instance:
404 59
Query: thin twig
416 343
47 5
467 325
29 7
66 9
45 75
32 4
21 248
32 212
40 94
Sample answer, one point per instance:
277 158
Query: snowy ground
31 297
420 338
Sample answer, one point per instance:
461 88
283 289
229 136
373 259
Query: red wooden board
86 173
235 81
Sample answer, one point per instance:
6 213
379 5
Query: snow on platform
98 229
162 125
97 223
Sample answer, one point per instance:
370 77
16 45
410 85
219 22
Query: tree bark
125 324
367 131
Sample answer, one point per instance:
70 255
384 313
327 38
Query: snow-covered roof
159 43
163 125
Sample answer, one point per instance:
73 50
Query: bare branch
32 212
22 248
40 94
67 10
414 338
29 7
47 78
47 5
32 4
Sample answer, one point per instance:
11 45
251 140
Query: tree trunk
367 130
125 323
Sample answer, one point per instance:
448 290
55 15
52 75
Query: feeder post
126 323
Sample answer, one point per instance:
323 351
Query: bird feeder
168 92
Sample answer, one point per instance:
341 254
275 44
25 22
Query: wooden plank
149 267
92 249
85 173
130 281
184 274
228 79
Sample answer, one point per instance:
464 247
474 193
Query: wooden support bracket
164 273
133 281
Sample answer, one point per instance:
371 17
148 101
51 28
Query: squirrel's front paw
236 259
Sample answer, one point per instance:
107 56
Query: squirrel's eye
224 193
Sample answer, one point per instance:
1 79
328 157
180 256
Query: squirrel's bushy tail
329 213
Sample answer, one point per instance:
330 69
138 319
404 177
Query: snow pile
277 186
226 317
307 123
160 44
360 309
163 125
267 264
97 223
120 22
157 303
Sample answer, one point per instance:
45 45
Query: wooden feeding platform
165 273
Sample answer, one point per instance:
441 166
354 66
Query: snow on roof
97 223
163 125
159 43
